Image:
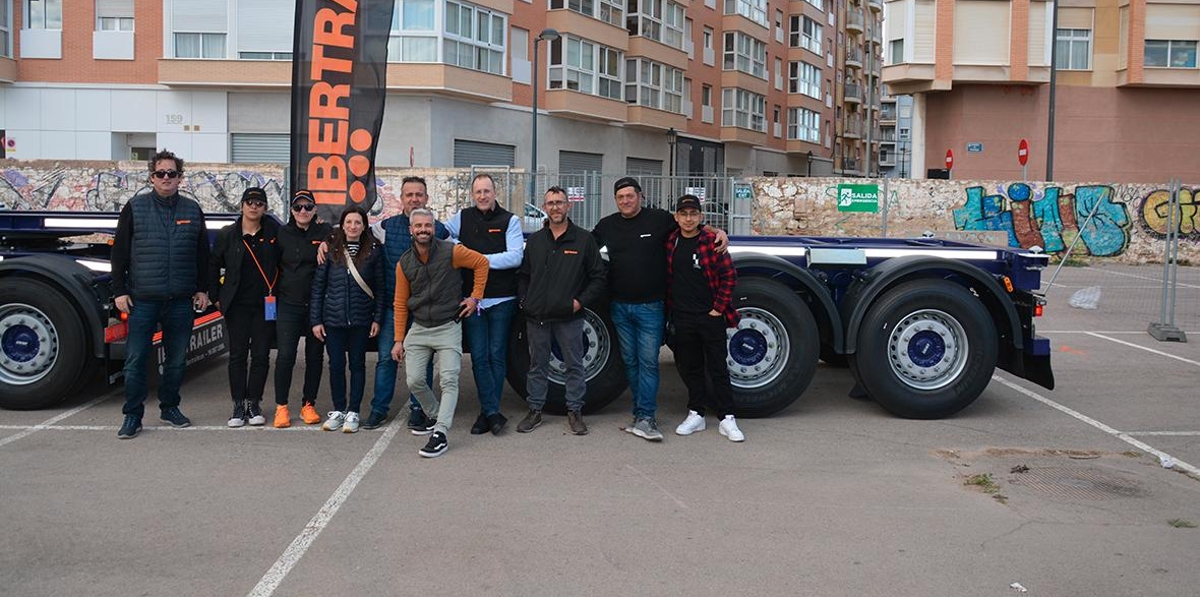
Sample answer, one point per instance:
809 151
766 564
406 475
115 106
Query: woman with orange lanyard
245 267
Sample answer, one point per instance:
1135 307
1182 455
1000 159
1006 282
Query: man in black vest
496 233
428 288
160 272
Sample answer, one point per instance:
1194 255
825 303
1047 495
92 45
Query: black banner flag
339 77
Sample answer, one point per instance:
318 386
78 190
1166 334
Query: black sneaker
175 418
130 428
496 423
531 421
436 446
481 425
254 414
374 420
417 419
427 429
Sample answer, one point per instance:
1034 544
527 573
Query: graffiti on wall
1156 217
1050 217
109 190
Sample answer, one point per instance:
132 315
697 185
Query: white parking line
291 556
157 428
51 421
1125 437
1164 433
1158 352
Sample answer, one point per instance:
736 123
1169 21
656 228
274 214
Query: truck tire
926 349
43 348
603 370
774 350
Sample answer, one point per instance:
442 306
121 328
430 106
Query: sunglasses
303 207
255 203
165 174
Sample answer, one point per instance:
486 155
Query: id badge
269 307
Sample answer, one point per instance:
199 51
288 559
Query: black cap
303 195
627 181
688 202
254 193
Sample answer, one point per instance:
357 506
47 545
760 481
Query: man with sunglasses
159 274
298 242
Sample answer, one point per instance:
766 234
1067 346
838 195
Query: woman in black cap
244 269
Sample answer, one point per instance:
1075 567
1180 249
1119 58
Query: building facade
979 72
736 87
895 136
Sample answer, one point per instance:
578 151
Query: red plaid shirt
718 272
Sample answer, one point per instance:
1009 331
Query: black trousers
249 344
290 326
700 352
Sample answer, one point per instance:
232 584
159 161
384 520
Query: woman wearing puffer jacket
346 311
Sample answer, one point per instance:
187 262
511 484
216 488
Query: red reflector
1037 310
124 316
116 332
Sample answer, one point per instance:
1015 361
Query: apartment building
738 87
895 136
979 72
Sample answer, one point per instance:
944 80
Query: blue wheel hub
747 347
20 343
926 348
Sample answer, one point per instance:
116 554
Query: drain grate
1078 483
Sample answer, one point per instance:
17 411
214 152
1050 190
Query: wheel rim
597 349
758 349
928 349
28 344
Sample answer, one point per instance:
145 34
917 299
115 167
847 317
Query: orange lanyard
271 283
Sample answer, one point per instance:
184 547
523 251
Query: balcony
654 119
853 129
566 20
854 21
737 134
887 135
888 113
849 165
877 37
659 52
8 70
854 57
875 5
585 106
887 160
226 73
852 93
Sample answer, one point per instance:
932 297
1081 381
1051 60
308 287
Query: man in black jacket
243 272
560 274
160 272
297 243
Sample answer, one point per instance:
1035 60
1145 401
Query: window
743 109
1074 49
414 37
659 20
805 33
609 11
474 38
746 54
755 10
903 134
708 38
779 26
585 66
654 85
264 55
896 51
1171 53
199 45
706 96
4 29
804 125
44 14
817 3
804 78
112 15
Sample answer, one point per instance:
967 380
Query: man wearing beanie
636 240
243 272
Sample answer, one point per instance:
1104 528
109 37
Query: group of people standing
416 285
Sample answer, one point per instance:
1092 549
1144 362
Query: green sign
742 191
858 197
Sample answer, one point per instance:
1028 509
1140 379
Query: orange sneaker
309 414
282 418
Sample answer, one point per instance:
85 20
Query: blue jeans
640 334
339 342
385 367
487 336
145 315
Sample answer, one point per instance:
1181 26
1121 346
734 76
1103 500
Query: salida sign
858 197
339 74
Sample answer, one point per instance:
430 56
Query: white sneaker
334 422
729 429
693 423
351 423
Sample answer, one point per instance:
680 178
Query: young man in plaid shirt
700 284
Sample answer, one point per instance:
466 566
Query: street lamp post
549 35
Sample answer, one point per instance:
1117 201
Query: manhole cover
1078 483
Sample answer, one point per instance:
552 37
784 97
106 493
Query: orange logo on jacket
570 252
182 222
494 230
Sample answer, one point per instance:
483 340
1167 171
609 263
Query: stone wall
1128 225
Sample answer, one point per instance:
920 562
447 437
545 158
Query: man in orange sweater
428 286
